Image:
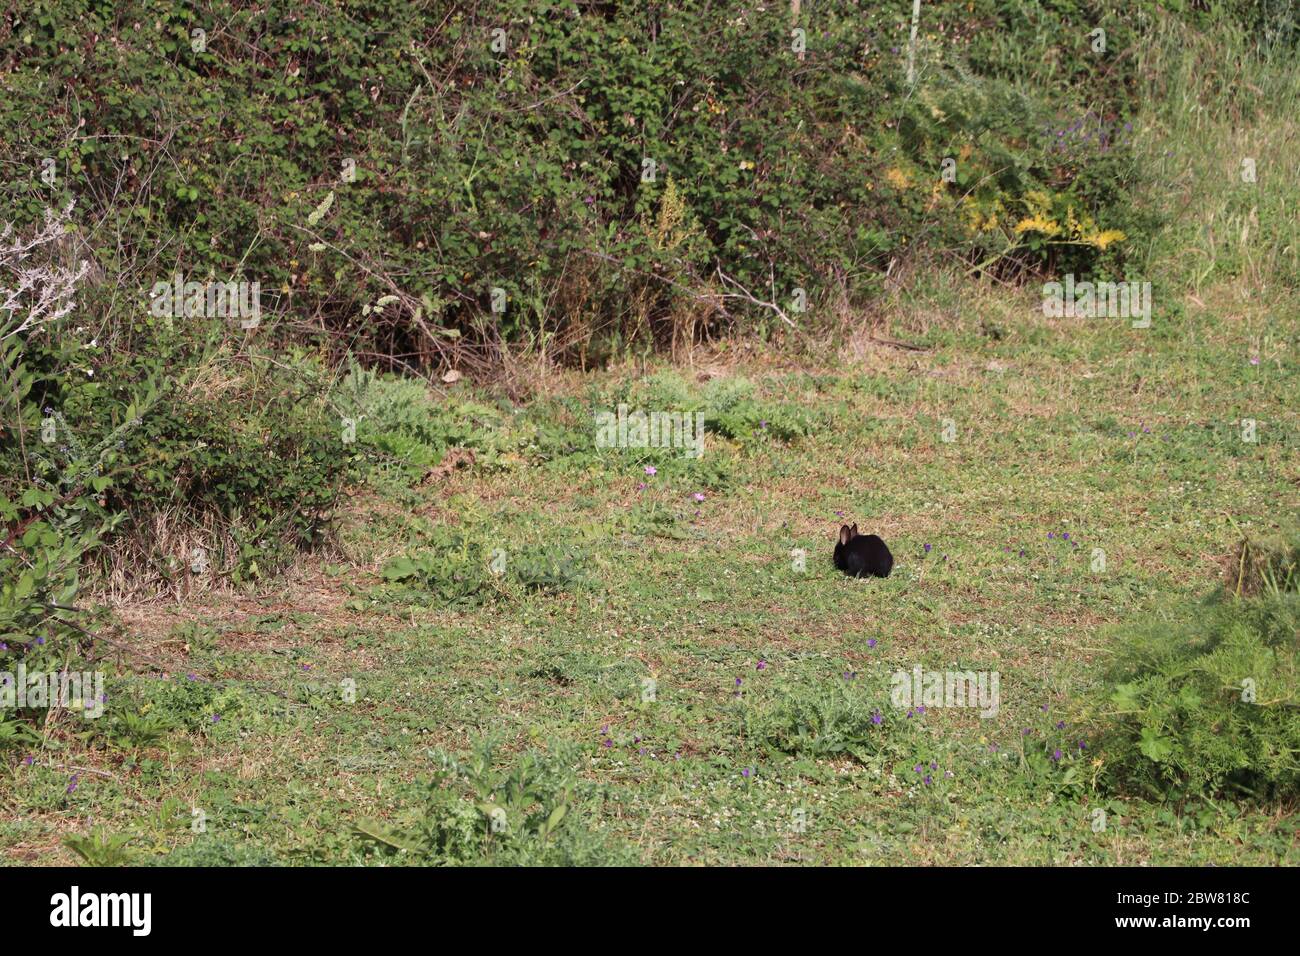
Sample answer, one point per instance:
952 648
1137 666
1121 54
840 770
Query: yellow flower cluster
1080 230
979 219
897 178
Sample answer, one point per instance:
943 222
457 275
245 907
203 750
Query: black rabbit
859 555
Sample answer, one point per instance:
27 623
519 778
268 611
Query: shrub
50 522
235 456
1207 700
385 181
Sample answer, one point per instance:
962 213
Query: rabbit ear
845 534
853 531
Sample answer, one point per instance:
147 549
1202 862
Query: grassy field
657 674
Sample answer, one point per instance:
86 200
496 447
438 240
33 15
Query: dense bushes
1207 699
618 171
191 461
235 441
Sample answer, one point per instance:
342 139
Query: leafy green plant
453 568
15 732
547 569
133 730
1204 701
463 569
823 721
101 848
475 811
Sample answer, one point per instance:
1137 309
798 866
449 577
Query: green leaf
380 833
1154 746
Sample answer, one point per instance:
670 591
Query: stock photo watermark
639 429
237 299
75 908
1094 300
921 688
79 691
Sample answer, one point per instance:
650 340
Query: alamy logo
651 430
103 909
210 300
1091 300
947 689
67 690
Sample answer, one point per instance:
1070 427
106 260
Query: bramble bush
621 172
99 446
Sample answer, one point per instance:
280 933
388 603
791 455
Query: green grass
1123 438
